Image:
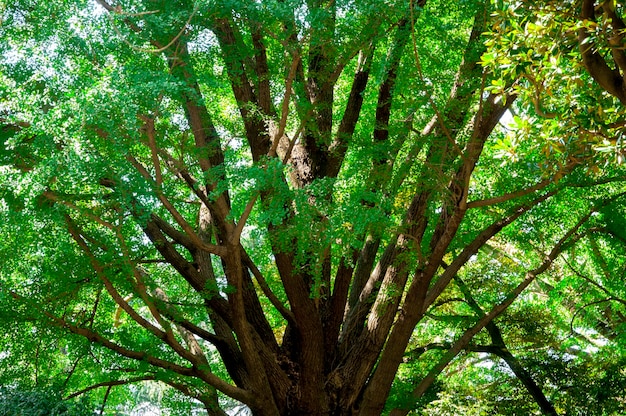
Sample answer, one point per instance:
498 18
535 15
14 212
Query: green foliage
141 165
40 402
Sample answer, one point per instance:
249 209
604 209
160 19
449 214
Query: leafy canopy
314 207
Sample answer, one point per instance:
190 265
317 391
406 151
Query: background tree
287 203
40 403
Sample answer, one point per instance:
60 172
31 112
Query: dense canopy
314 207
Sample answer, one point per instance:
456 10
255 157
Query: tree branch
511 195
110 384
286 313
609 79
569 238
189 231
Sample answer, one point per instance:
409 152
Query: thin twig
109 384
146 50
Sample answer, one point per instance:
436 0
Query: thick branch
616 38
286 313
411 311
338 148
478 242
218 383
503 352
511 195
197 280
232 47
609 79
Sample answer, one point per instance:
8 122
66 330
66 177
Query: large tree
267 201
